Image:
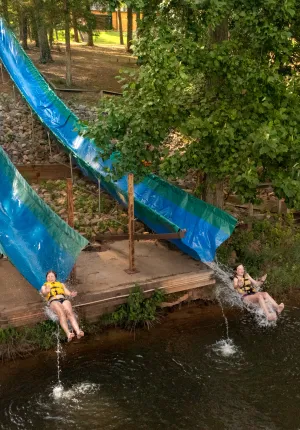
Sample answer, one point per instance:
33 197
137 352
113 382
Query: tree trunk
120 27
24 30
213 191
34 31
45 53
89 21
4 10
68 44
213 187
75 27
129 28
51 35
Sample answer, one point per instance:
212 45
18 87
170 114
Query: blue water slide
160 205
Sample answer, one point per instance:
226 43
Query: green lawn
110 37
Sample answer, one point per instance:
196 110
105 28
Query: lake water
177 376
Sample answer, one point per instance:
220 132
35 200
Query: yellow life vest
246 288
56 288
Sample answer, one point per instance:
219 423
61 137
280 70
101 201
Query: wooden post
250 213
99 196
280 202
2 75
71 167
132 268
70 202
49 143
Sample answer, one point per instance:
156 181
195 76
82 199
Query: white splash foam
58 392
226 348
50 314
75 391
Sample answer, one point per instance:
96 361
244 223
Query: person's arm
68 292
259 282
45 290
235 283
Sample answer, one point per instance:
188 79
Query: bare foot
272 317
263 278
280 308
80 334
70 336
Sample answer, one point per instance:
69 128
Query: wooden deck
103 283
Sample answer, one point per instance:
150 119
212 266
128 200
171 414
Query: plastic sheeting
163 207
33 237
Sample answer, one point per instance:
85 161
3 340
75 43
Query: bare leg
60 312
262 304
276 306
71 317
259 299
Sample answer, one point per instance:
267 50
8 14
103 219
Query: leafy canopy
235 101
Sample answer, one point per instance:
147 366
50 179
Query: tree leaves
236 101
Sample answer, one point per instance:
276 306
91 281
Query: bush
273 247
138 311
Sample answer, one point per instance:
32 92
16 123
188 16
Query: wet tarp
33 237
160 205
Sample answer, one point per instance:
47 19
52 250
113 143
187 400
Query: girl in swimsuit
244 284
56 295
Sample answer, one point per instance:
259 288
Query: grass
110 37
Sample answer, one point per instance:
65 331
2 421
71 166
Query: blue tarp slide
160 205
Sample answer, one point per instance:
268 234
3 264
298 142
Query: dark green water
174 377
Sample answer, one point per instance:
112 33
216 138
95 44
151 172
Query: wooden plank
44 172
146 236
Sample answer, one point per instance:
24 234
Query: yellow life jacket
56 288
246 288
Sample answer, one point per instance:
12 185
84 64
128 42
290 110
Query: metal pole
131 223
99 195
70 202
71 167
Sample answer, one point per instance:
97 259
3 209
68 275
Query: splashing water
50 314
227 295
77 390
58 389
226 348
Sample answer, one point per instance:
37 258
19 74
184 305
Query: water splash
226 295
50 314
58 389
75 391
226 348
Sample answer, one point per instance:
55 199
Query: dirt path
94 68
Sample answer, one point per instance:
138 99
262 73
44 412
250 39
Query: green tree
236 102
4 10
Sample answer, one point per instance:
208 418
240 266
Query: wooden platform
104 284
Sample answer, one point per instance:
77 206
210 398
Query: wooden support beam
70 201
130 180
150 236
43 172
